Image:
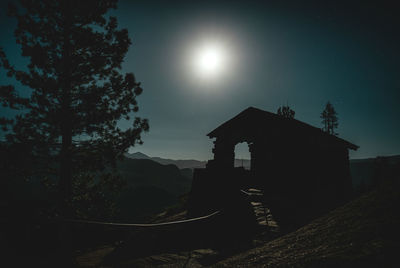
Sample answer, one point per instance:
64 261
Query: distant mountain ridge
362 169
155 183
183 163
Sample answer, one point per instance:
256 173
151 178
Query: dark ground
362 233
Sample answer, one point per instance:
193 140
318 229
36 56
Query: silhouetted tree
286 112
69 123
329 119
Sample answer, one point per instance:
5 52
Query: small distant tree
286 112
329 119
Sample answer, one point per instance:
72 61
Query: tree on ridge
286 112
329 119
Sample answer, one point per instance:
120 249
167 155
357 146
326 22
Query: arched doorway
242 155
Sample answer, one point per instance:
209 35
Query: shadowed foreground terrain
362 233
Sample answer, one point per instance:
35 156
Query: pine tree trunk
66 250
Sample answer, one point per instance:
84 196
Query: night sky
301 53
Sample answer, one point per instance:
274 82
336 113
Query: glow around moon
210 60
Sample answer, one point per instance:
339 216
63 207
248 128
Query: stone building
301 170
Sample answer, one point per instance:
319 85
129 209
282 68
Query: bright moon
210 60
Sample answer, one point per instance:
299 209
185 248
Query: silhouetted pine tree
286 112
78 91
329 119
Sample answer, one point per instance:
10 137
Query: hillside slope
363 233
151 187
145 172
365 171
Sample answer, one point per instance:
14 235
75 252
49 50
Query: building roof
252 116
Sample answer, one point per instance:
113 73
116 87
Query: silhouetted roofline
268 115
